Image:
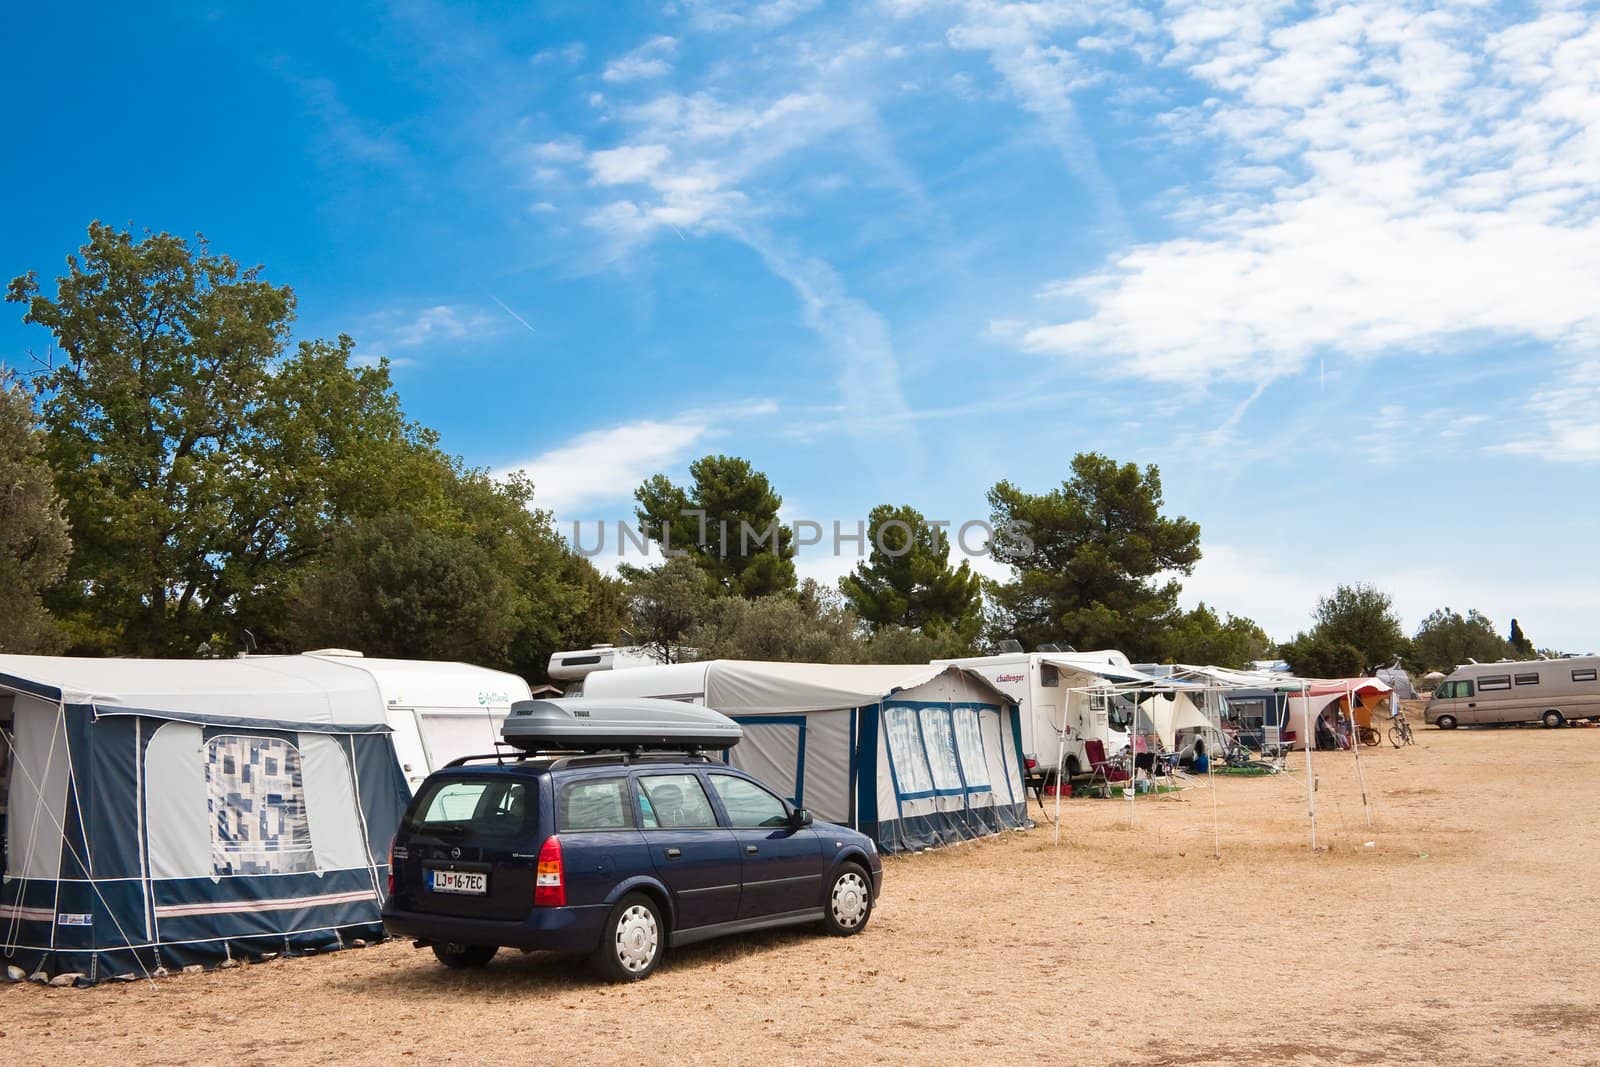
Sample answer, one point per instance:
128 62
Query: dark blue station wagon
617 856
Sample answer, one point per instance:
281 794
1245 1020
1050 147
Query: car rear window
474 807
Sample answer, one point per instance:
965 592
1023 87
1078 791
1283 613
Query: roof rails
562 760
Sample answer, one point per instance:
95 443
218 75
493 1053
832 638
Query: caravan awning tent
915 756
162 813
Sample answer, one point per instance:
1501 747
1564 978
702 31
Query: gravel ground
1464 932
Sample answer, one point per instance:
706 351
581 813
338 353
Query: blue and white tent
914 756
164 813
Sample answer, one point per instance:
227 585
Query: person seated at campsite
1327 740
1199 762
1144 757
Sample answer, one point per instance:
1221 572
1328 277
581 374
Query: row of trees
227 492
1356 630
182 480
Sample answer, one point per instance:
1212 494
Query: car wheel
461 957
1553 719
849 903
1445 722
634 937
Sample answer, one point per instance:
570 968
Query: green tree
726 521
1092 559
1446 639
907 580
200 468
1311 656
482 577
1202 636
1520 643
1362 617
34 541
811 625
897 644
665 605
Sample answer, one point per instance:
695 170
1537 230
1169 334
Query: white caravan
1051 691
437 711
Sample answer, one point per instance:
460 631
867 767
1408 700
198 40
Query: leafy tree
812 625
1313 656
1362 617
1446 639
1202 636
665 605
1520 643
727 522
897 644
199 468
34 542
907 580
391 586
482 577
1092 558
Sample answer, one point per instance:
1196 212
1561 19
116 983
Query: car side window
674 802
747 804
594 805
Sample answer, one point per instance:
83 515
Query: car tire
463 957
1445 722
633 940
849 902
1553 719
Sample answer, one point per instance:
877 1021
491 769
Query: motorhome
1065 699
1552 691
574 666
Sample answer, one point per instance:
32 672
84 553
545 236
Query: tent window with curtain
905 749
257 800
938 741
969 746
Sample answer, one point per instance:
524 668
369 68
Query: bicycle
1369 736
1400 732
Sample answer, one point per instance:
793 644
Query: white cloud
1421 175
605 466
653 59
431 325
1564 419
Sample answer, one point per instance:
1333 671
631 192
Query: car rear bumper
571 929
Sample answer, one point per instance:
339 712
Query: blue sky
1332 266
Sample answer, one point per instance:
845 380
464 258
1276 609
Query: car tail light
549 885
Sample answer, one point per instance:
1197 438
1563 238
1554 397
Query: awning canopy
270 691
742 687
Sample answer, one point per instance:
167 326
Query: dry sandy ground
1466 933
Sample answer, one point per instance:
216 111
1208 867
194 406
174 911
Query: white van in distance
1552 691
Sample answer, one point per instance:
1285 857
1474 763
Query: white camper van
1552 691
1049 688
437 711
575 666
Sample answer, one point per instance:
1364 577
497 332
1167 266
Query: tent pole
1311 778
1211 782
1355 746
1061 761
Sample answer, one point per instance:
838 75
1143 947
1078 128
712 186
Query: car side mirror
799 818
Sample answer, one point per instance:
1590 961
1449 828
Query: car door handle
751 850
1472 705
674 853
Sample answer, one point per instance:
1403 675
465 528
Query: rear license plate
472 883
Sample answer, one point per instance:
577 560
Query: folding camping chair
1102 768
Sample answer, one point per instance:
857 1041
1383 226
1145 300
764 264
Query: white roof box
576 724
